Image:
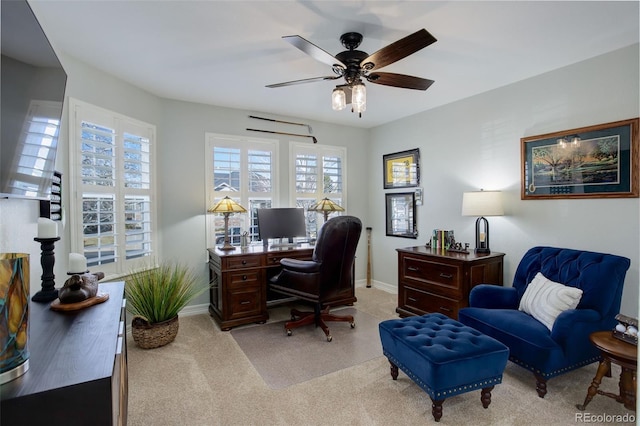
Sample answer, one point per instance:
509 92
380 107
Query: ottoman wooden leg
394 371
436 409
485 397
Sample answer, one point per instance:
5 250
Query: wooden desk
440 280
77 367
239 282
625 355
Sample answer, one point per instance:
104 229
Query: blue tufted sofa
494 310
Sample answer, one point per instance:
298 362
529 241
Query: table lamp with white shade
482 203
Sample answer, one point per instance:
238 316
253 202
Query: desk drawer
241 262
241 279
422 302
273 259
245 302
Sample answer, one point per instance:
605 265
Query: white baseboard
389 288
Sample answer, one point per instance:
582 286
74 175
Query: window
113 201
245 170
317 172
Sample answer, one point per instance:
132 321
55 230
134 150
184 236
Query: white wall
467 145
475 143
182 164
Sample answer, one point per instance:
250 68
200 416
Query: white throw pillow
545 299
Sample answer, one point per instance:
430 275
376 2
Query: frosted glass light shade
359 97
338 99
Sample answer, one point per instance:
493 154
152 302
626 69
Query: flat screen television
33 87
287 222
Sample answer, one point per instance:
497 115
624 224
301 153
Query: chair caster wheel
329 338
352 324
289 332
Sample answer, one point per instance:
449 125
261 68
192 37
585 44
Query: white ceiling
225 52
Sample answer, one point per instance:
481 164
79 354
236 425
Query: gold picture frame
401 169
598 161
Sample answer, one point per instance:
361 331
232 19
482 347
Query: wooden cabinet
440 281
238 282
77 367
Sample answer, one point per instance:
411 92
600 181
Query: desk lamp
482 203
325 206
226 206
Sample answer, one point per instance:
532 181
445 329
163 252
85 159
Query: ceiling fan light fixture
359 97
338 99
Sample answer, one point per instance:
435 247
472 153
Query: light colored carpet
204 378
285 360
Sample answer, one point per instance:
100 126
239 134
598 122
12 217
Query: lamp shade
482 203
359 97
227 205
338 99
325 205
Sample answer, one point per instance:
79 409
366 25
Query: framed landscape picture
401 169
598 161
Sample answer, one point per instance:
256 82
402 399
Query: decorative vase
14 315
153 335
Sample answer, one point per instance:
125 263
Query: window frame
244 197
320 151
80 111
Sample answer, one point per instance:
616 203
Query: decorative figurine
80 287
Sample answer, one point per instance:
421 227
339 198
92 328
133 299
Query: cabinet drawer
244 278
245 301
441 278
242 262
422 302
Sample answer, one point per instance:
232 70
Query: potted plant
154 297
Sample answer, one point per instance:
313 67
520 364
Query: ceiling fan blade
398 50
305 80
400 80
312 50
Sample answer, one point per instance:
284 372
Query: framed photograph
590 162
401 169
401 215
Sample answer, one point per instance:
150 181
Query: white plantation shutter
112 157
245 170
317 172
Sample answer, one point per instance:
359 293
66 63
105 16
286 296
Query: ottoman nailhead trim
448 392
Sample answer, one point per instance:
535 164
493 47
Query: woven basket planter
149 336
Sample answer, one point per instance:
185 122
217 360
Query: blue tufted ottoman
443 357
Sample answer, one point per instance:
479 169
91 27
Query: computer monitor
285 222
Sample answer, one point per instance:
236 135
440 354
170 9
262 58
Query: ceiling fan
354 65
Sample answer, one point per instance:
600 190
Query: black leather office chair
326 278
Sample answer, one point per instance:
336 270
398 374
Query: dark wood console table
77 367
431 280
239 282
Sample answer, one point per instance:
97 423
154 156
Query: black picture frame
401 169
602 163
401 215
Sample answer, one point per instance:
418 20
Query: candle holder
47 260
